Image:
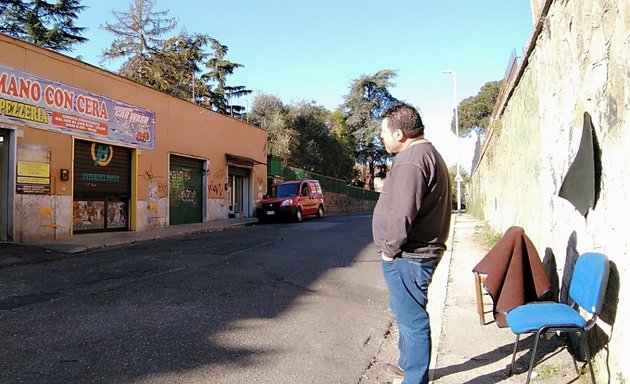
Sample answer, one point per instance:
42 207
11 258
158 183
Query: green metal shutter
274 167
185 190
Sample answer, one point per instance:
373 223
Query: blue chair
587 289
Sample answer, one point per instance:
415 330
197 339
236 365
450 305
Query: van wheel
298 215
320 212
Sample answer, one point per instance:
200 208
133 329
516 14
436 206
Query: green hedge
329 184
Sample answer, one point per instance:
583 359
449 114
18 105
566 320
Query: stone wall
28 221
577 61
339 203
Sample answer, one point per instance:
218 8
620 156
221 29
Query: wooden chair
480 278
47 221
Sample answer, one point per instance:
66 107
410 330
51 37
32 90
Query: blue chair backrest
589 281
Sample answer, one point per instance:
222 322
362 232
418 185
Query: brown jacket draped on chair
514 273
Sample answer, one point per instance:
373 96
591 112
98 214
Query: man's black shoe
394 371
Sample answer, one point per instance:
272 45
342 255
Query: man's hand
386 258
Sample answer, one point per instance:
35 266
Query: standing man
410 227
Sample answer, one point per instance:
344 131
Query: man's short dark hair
406 118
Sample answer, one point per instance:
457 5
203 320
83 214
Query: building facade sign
36 102
33 169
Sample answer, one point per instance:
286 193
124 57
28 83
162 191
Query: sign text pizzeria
45 104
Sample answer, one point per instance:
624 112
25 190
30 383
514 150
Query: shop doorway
7 183
102 187
238 192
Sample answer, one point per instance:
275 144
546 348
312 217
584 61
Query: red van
292 200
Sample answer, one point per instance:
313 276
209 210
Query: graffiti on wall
157 189
216 184
180 180
188 196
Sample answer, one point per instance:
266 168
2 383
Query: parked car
292 200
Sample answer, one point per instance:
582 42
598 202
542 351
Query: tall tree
269 113
369 96
475 111
177 67
173 65
47 24
304 135
138 37
220 69
232 92
339 130
315 148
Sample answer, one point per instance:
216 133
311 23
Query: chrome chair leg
514 354
531 361
588 358
567 342
587 351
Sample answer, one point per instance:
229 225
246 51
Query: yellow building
108 154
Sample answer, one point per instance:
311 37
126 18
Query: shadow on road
164 310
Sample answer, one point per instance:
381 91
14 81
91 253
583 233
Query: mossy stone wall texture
578 61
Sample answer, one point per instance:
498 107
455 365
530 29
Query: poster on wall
36 102
116 214
33 169
88 215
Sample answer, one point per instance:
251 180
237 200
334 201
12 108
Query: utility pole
458 176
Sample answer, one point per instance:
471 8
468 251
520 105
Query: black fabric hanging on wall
580 184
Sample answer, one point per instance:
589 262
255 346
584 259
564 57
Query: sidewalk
464 351
469 352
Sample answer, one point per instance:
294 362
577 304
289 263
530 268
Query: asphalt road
275 303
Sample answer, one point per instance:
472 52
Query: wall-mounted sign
33 169
36 102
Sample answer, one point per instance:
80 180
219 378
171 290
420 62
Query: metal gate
185 190
102 187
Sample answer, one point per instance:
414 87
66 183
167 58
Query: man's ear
400 135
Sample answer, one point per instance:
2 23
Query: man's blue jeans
408 283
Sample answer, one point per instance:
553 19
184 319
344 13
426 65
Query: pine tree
368 98
49 25
220 69
177 66
138 33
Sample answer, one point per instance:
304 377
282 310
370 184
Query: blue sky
313 49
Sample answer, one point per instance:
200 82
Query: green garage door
185 190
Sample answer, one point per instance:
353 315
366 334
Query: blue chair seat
532 317
586 291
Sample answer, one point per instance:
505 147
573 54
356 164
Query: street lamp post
458 176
